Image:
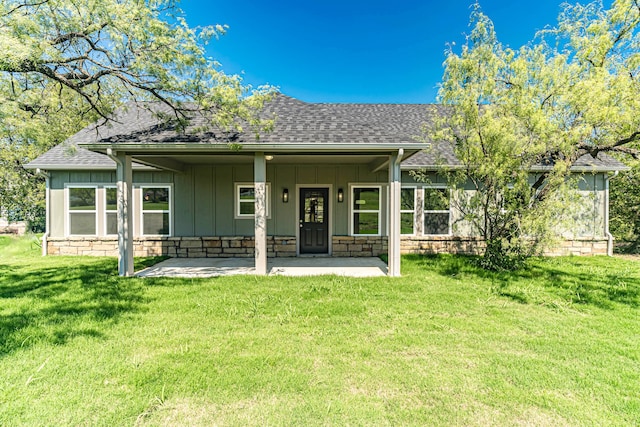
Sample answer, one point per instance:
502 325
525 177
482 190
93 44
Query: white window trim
236 196
107 211
413 211
425 211
142 211
68 211
352 211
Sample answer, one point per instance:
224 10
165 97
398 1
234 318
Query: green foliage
67 63
446 344
625 209
574 91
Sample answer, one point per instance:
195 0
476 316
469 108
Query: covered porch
375 160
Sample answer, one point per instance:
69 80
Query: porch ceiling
178 162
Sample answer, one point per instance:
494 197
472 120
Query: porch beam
124 178
164 163
378 165
393 266
260 185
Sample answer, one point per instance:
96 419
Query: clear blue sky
354 51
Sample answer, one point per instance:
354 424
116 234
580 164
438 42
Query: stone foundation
285 246
579 247
359 246
441 245
177 247
475 246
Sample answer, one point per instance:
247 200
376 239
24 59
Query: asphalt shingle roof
441 154
297 122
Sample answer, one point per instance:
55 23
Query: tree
66 63
625 209
571 92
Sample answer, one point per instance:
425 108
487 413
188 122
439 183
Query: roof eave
581 169
76 167
244 147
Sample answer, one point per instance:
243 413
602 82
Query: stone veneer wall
441 245
243 247
354 246
178 247
475 246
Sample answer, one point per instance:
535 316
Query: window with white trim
436 211
82 210
156 210
246 199
110 211
365 210
407 211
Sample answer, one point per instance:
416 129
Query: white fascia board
243 147
75 167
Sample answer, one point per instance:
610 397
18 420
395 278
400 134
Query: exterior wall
203 204
282 246
203 197
474 246
585 220
179 247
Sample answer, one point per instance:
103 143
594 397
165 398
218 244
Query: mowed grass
447 344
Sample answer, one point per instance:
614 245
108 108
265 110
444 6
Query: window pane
155 199
112 223
436 223
406 199
406 223
112 199
82 223
436 199
366 199
247 193
82 199
314 207
247 208
155 223
365 223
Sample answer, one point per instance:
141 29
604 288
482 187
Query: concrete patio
302 266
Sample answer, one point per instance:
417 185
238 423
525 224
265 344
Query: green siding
204 197
183 204
204 202
283 222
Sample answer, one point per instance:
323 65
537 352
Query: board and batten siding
203 196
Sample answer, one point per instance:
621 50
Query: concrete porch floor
303 266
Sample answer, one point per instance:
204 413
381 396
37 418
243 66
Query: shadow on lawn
55 304
590 281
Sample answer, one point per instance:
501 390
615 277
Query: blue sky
354 51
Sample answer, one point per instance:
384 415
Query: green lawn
446 344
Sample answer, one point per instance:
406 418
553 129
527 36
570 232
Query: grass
446 344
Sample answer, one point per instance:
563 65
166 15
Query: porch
300 266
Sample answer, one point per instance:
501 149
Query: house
330 179
10 227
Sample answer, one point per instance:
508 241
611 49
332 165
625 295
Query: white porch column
393 265
260 183
124 177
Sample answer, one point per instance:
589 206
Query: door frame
296 200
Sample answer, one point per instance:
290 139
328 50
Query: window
111 210
82 211
436 211
245 200
407 211
365 209
156 213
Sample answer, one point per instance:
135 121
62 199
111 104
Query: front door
314 220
